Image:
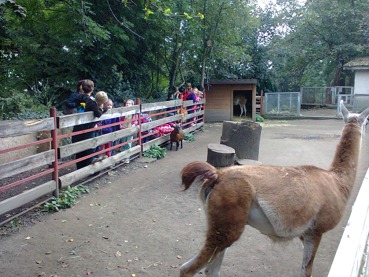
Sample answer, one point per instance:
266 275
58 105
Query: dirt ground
135 222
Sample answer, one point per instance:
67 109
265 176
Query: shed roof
357 64
234 82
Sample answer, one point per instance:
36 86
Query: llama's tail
198 170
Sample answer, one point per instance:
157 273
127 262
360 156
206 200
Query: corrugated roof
358 63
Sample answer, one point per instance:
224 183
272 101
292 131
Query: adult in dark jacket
70 104
89 104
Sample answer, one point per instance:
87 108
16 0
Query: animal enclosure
51 162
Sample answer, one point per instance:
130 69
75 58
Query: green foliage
140 48
17 105
155 152
66 199
189 137
324 35
259 118
15 223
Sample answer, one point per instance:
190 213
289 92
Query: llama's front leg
311 243
177 145
213 268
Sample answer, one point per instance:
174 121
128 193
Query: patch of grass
66 199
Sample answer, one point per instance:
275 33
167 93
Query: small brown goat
176 136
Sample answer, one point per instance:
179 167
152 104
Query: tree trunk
220 155
243 137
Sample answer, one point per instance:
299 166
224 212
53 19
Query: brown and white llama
282 202
240 100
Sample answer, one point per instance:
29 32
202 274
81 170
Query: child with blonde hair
131 121
109 105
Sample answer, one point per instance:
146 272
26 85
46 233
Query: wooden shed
219 99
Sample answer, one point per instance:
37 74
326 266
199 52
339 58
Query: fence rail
27 178
351 259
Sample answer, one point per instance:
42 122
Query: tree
325 36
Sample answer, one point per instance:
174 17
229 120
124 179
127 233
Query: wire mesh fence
282 103
325 95
291 104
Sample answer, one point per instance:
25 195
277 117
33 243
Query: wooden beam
12 128
25 164
26 197
70 149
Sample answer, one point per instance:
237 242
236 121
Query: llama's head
361 119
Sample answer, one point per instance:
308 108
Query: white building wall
361 82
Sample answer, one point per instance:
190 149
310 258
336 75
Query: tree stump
243 137
220 155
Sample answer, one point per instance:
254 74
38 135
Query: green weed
189 137
66 199
155 152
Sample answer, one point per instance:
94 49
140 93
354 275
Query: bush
21 106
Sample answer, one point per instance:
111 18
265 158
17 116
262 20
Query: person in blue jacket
70 104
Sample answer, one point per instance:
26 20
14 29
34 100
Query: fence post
182 112
138 102
54 146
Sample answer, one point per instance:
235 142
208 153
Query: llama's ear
363 115
344 111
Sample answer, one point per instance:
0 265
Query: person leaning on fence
108 105
190 95
131 121
85 104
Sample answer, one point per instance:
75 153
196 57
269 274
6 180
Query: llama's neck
346 158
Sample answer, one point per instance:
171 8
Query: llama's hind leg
311 243
212 253
213 268
225 227
208 254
